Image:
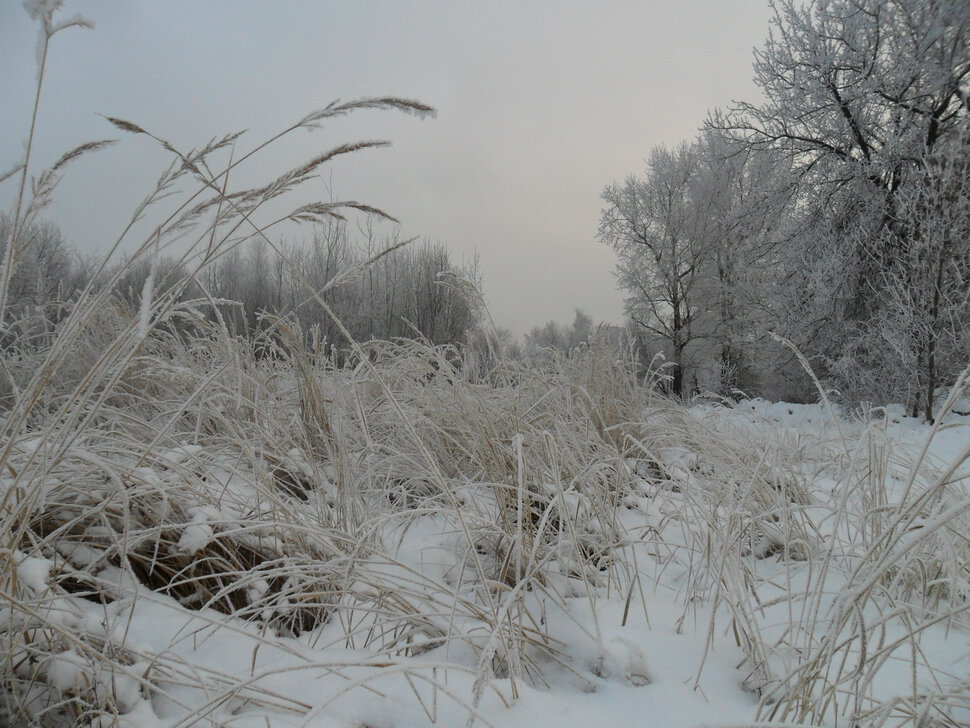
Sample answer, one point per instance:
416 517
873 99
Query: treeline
377 287
835 214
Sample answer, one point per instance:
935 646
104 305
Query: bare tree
44 269
928 311
864 98
745 198
662 240
401 293
561 338
859 89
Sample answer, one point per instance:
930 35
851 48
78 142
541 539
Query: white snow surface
33 572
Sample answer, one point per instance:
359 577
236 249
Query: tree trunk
677 384
931 373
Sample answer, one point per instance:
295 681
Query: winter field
201 527
201 537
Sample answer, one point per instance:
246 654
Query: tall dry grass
150 457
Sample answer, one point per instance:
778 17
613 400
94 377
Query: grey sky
540 104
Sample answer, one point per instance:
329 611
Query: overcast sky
540 105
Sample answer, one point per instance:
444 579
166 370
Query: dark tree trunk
931 374
677 384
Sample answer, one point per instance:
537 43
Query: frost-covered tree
859 90
745 198
864 98
44 265
698 245
926 317
377 288
662 240
561 338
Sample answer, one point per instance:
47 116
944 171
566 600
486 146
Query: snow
68 672
33 572
199 533
662 642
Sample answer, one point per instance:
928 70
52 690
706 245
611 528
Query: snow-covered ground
759 564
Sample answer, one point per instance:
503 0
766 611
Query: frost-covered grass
199 529
210 537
